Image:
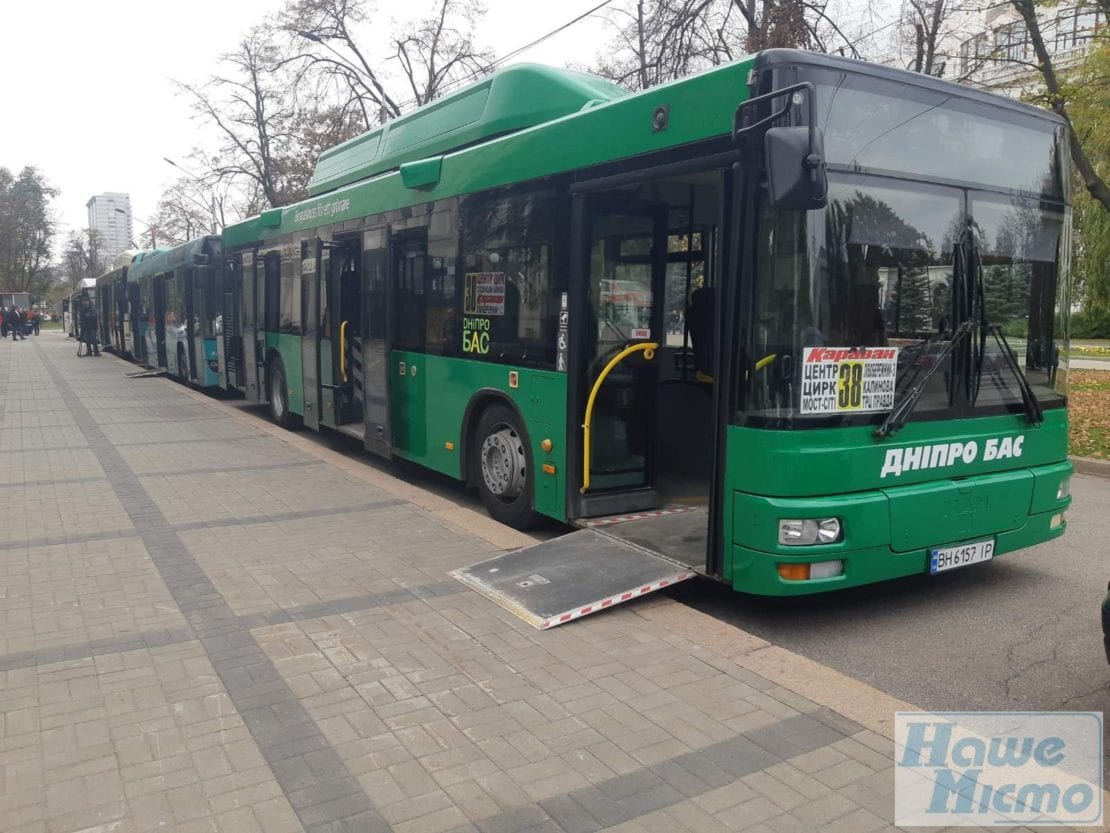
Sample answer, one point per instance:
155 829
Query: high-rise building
110 216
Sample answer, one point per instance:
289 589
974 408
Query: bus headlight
1064 489
801 532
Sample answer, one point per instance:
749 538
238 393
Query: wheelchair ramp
564 579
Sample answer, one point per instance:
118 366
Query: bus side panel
429 396
208 377
289 348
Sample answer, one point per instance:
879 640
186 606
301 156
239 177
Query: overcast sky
88 90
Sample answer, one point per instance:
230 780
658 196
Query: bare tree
253 104
81 257
439 51
925 18
818 25
1057 100
659 40
431 54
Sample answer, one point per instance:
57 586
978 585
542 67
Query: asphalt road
1022 632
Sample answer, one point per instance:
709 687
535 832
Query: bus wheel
278 391
182 364
503 463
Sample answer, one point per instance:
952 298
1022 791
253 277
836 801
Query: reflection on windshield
875 270
875 125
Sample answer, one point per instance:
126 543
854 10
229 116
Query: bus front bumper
893 533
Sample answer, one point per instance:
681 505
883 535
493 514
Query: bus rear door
341 379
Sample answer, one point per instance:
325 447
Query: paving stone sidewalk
204 628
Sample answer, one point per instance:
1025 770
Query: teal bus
797 321
174 302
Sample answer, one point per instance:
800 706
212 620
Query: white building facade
110 216
999 56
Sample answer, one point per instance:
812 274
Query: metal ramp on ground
612 561
146 374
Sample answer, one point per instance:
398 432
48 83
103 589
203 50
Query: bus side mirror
795 161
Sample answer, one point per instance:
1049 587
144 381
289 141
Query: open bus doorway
341 337
649 391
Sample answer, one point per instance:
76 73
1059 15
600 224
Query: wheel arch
479 401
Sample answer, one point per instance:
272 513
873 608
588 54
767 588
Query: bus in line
174 300
70 322
860 260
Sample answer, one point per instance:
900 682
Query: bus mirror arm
794 155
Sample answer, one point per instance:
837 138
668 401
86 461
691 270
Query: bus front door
625 268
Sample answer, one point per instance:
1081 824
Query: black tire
499 448
182 364
277 390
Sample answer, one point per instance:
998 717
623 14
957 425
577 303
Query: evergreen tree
912 302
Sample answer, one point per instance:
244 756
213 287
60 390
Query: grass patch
1089 413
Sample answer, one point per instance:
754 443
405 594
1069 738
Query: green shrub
1091 324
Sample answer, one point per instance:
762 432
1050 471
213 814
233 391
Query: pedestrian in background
36 321
17 323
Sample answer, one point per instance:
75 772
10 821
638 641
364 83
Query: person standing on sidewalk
36 321
87 326
17 324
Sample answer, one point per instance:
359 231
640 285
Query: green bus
175 298
797 321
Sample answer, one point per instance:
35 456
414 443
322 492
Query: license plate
949 558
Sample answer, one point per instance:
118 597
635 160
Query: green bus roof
164 260
510 99
700 107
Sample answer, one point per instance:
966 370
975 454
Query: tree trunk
1091 180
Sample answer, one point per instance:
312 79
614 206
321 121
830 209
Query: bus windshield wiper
897 417
1034 413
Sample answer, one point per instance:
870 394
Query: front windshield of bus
854 302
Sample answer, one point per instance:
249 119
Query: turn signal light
807 572
1057 521
794 572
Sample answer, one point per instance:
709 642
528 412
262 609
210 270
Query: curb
1089 465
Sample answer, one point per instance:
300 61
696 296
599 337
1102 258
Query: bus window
271 296
440 313
510 297
289 311
409 265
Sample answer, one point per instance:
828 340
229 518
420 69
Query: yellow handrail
343 350
648 348
766 360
